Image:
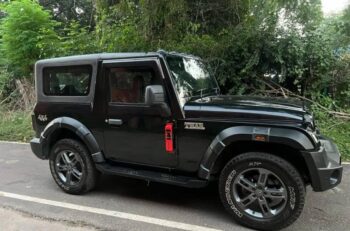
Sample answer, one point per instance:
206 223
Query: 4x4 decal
42 118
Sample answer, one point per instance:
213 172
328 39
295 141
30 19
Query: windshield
191 79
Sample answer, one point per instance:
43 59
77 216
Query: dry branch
10 95
278 89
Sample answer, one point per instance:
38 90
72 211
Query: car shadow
206 199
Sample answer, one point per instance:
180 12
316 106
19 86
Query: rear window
67 81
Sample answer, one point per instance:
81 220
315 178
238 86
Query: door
134 130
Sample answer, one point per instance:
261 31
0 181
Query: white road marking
11 161
336 189
12 142
122 215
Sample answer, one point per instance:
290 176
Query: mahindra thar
160 117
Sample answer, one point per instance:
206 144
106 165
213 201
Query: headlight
309 125
309 122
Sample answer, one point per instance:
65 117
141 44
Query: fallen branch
3 101
285 93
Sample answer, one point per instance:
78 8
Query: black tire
266 173
83 175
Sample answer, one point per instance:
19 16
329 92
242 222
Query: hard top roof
100 56
105 56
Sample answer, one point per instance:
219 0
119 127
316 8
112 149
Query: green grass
339 131
15 125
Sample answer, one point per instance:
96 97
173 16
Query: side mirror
154 94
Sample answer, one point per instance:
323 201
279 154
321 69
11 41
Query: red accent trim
169 141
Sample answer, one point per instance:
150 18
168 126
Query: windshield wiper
191 94
217 90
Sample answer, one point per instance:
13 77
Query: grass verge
339 132
15 125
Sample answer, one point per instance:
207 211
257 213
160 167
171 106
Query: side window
67 81
127 85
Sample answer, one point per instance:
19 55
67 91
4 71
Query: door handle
117 122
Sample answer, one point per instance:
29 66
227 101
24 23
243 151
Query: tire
72 167
262 191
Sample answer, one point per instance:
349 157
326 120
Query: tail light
169 138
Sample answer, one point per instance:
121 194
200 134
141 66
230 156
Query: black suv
160 117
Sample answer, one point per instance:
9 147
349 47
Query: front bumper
324 165
37 148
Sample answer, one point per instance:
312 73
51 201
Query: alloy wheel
69 167
260 193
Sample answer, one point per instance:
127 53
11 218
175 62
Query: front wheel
262 191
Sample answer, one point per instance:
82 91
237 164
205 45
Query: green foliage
27 35
345 26
162 20
76 40
200 45
241 40
5 78
81 11
15 125
336 129
117 28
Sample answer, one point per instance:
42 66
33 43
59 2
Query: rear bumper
324 165
37 148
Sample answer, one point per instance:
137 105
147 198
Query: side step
184 181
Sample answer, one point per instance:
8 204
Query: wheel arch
237 140
66 127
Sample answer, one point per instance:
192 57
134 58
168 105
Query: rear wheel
72 167
262 191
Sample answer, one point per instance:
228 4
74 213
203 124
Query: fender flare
77 128
286 136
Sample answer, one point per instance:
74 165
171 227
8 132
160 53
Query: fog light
334 177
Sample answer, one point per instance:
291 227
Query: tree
345 29
76 40
81 11
244 42
27 35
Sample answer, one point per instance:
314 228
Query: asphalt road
127 204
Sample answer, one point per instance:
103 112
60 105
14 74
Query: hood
247 108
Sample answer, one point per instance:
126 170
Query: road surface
29 196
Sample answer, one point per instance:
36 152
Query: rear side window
67 81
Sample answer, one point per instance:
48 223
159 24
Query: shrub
27 35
